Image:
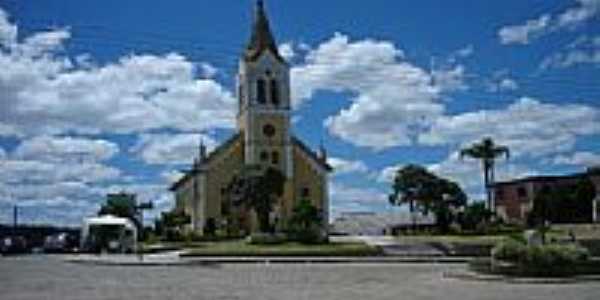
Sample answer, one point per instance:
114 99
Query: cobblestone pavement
42 277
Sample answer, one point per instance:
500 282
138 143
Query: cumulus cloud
522 34
171 149
466 51
584 50
44 91
8 31
345 198
343 166
287 51
65 149
468 172
40 172
394 99
171 176
583 158
528 127
584 11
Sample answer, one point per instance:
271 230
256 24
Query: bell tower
263 88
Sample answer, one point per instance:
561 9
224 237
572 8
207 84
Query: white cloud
39 172
171 149
8 31
171 176
584 50
466 172
522 34
467 51
208 70
502 84
395 100
508 84
347 194
43 91
65 149
2 153
469 174
584 159
287 51
345 198
343 166
387 174
528 127
585 11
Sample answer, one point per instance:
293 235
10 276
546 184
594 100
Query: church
263 137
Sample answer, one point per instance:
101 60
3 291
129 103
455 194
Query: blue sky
104 96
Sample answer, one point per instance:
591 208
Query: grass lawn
462 239
241 248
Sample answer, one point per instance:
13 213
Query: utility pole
15 217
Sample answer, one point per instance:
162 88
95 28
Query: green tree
120 205
170 224
564 204
258 188
473 215
487 152
305 223
425 192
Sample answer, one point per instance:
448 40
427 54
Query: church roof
188 174
312 154
262 38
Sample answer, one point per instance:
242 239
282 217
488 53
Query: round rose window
269 130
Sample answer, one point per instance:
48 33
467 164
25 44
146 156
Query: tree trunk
492 180
486 182
263 221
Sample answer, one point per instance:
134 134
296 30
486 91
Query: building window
521 192
305 192
264 156
500 194
224 208
274 92
269 130
275 157
261 91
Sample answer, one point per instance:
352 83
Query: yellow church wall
307 176
219 175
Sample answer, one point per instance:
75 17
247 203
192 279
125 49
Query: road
41 277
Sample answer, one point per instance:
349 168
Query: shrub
510 250
266 239
555 255
544 260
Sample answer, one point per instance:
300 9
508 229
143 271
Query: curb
208 261
472 276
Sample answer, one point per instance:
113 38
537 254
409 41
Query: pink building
513 200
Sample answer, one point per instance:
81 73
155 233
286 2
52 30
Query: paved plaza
43 277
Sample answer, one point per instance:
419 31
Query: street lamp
140 210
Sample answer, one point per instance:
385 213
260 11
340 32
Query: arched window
274 92
305 192
261 91
275 157
264 156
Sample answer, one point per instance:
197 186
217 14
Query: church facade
264 137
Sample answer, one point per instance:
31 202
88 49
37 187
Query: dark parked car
60 243
13 245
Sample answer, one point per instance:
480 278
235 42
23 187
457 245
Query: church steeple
262 38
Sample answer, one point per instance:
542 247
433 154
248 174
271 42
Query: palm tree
487 151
